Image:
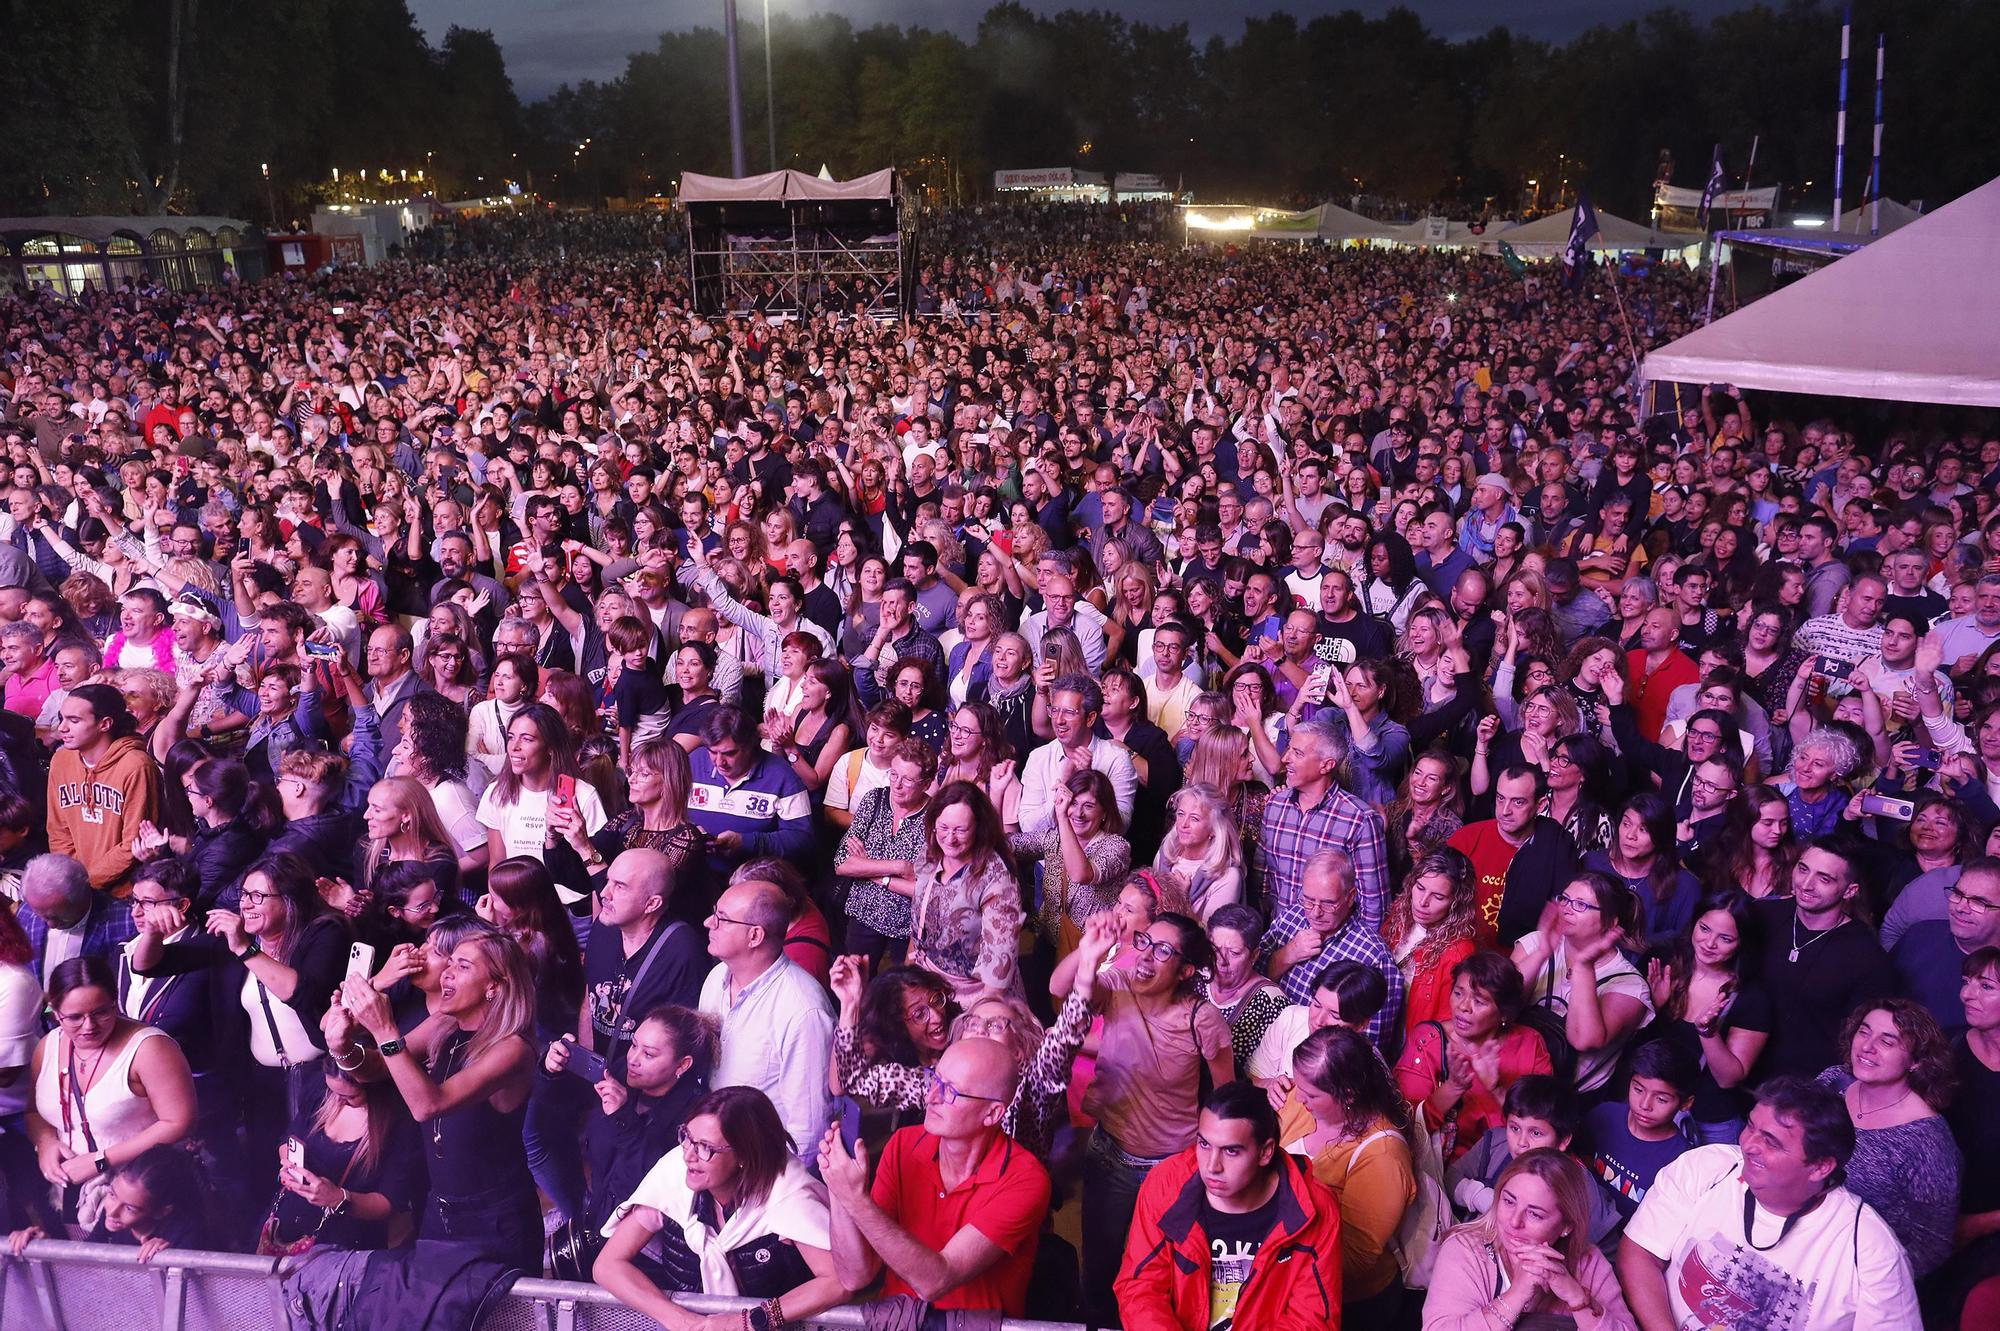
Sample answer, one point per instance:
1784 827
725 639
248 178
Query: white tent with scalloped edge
1912 317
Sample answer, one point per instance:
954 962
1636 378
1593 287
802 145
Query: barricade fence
61 1286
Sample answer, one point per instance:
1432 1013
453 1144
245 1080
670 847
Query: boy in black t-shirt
1631 1143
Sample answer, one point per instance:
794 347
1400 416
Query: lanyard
1750 1214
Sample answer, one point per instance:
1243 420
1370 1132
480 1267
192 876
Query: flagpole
1875 171
1709 195
1840 120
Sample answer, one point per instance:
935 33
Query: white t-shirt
845 793
1840 1268
524 824
20 1027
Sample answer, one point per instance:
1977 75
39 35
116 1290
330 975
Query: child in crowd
1541 1111
1630 1143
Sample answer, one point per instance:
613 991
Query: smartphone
360 961
295 1153
850 1122
564 794
585 1063
1887 806
323 651
339 310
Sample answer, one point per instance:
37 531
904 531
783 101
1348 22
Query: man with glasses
1713 788
1321 928
955 1211
1075 703
1930 955
776 1021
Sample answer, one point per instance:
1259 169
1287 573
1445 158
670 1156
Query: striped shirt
768 806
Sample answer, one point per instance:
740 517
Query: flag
1576 257
1710 191
1515 263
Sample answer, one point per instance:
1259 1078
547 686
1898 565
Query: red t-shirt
1491 855
1005 1199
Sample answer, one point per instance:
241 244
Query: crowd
1215 789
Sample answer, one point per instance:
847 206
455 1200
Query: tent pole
1840 120
1875 171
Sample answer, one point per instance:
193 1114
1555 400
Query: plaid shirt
1354 941
1294 834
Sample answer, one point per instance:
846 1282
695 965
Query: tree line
177 103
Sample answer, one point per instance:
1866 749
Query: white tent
785 186
1433 233
1229 222
1337 224
1546 237
1913 317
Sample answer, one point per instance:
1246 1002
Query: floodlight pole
770 89
736 166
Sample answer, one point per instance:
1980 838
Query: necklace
446 1068
1859 1112
1817 935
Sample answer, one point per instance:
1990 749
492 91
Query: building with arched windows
72 255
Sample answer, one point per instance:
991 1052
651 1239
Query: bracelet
360 1057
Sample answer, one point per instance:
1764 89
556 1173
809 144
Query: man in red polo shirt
1656 667
957 1204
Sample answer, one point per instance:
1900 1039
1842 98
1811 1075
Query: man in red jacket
1232 1234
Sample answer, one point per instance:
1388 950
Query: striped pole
1875 171
1840 122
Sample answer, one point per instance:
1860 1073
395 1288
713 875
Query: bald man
956 1206
777 1020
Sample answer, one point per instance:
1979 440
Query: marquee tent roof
1913 317
1550 235
785 187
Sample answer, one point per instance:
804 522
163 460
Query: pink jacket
1466 1280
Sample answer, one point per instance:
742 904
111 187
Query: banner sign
1728 201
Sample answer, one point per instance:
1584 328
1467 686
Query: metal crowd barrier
62 1286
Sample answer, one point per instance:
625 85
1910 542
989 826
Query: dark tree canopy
186 97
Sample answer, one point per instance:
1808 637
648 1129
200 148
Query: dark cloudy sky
550 42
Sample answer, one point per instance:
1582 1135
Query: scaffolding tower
789 243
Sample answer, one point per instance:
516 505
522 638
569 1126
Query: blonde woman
1201 849
403 824
1223 762
465 1074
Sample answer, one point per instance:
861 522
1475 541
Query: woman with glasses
280 955
881 851
1573 965
450 671
465 1074
1548 714
965 912
730 1212
1159 1036
1579 772
902 1017
105 1089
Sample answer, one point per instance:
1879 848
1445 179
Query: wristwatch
103 1163
391 1048
252 947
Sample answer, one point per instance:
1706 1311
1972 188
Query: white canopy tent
1547 237
1913 317
1329 222
785 187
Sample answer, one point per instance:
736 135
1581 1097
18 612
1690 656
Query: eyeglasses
249 898
1979 904
1156 948
700 1152
1703 783
1704 733
1576 905
948 1094
720 918
1561 759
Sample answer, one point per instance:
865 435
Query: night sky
551 42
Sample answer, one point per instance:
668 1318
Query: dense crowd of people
1214 789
